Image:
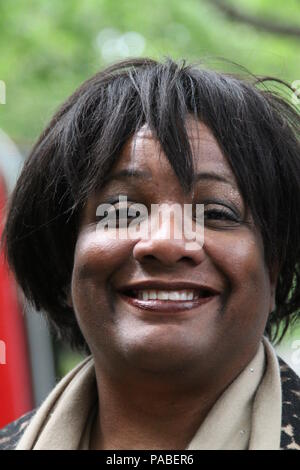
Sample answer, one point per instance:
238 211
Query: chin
169 356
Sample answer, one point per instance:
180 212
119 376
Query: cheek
96 259
96 256
245 264
240 257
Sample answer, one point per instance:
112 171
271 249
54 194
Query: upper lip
167 285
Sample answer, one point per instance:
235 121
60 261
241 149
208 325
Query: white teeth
174 295
152 295
145 294
162 295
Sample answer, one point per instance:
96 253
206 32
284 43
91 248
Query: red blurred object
16 397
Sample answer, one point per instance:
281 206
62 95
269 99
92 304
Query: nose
167 250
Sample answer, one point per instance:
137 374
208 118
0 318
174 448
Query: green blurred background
47 48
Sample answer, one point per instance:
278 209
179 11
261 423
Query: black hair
256 127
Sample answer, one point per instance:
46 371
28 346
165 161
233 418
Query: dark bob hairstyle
256 127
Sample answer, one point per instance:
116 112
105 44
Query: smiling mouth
167 300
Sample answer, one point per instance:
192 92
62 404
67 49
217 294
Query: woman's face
152 304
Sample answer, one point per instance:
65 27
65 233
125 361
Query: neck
147 412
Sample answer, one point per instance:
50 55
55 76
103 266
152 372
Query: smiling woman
179 339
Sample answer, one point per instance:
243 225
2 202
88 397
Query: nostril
149 257
186 258
166 252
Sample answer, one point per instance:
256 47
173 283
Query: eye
120 215
220 216
125 214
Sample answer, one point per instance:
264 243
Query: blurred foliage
48 47
65 358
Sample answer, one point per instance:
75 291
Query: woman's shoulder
290 426
290 421
12 433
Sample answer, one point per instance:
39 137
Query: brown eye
128 214
220 217
219 214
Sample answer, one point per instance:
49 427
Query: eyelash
221 214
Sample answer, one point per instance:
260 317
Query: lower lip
167 306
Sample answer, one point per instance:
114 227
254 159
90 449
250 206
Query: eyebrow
146 175
207 175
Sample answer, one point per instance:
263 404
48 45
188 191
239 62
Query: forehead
144 151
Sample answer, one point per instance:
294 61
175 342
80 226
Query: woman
179 334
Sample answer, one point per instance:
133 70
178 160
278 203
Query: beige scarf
246 416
